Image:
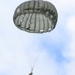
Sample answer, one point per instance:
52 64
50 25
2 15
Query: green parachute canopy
36 16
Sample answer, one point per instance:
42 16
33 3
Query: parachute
35 16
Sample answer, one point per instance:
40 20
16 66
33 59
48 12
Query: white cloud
71 25
46 65
70 68
71 29
69 51
64 5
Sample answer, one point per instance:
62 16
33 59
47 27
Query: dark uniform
30 73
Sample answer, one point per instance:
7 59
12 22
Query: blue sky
53 52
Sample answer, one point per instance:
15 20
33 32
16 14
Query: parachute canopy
35 16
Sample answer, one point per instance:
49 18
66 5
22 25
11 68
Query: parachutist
30 73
